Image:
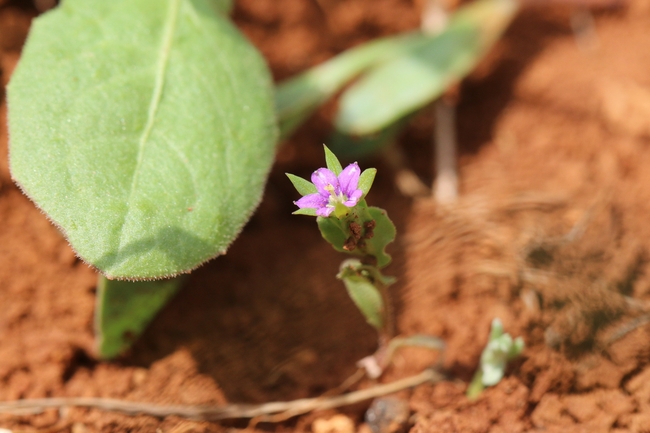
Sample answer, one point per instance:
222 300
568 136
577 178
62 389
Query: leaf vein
184 161
161 69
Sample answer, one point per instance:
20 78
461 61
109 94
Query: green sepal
366 179
303 186
305 211
332 162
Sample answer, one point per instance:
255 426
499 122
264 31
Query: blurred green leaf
298 97
500 349
350 147
125 308
496 329
145 129
408 82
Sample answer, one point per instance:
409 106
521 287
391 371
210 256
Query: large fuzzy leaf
144 129
223 6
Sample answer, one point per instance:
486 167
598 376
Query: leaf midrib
161 70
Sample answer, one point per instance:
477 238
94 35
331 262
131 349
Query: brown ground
550 235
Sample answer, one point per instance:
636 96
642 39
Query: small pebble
387 414
336 424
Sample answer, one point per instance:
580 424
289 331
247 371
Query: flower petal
314 201
325 211
349 179
353 199
322 178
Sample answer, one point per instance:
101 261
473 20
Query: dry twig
266 412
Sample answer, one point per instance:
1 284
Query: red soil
550 235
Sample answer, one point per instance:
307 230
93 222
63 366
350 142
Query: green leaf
362 292
125 308
333 231
366 179
500 349
517 347
298 97
417 77
303 186
337 232
384 234
496 329
144 129
332 162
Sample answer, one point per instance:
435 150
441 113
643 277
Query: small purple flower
333 191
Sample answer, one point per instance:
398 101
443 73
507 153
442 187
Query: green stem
388 330
476 386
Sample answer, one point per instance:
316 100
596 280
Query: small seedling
336 196
501 349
